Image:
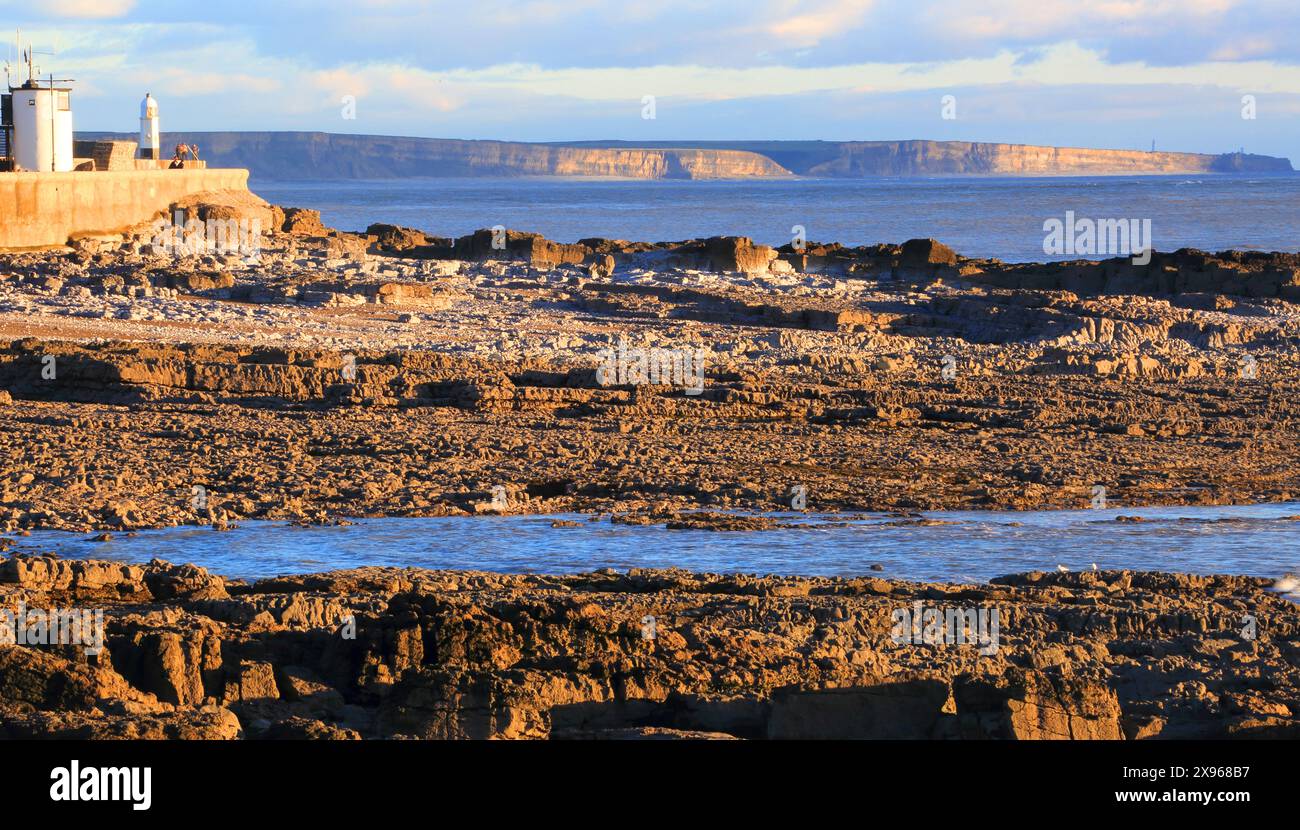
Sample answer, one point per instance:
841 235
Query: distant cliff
293 155
852 159
297 155
904 158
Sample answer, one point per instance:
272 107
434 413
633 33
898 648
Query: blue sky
1113 73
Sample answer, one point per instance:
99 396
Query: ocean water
979 217
1261 540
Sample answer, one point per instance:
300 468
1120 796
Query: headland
316 155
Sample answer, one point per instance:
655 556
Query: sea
999 217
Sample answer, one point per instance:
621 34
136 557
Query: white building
42 127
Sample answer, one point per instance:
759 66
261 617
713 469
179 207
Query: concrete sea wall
44 209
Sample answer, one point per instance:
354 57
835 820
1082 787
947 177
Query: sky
1193 75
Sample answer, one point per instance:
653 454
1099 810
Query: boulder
918 253
738 254
486 244
395 237
303 222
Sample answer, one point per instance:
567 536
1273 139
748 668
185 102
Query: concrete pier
45 209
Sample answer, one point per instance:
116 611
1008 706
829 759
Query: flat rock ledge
380 653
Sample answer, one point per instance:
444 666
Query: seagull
1094 566
1063 569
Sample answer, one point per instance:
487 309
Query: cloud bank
1113 73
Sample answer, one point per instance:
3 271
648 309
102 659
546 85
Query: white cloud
1069 19
502 68
178 81
91 9
810 26
1064 64
1244 48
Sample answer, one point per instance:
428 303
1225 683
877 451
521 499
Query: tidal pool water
969 546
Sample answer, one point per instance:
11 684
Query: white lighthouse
149 143
42 127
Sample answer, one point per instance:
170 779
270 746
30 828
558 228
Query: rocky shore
406 653
393 372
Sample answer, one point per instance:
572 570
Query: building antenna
33 71
15 59
10 57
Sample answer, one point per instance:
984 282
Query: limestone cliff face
297 155
326 155
903 158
